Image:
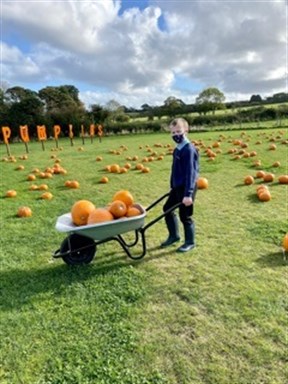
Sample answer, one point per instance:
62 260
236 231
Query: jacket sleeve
192 170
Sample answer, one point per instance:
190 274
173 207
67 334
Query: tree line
60 105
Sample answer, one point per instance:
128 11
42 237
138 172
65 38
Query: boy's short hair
180 121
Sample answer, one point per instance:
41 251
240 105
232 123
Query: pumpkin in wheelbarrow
124 196
80 211
133 211
99 215
118 209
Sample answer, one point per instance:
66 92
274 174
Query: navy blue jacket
185 169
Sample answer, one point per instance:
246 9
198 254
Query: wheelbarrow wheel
78 249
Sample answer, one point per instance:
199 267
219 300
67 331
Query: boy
184 174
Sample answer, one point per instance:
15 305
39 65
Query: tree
145 107
116 111
62 105
17 94
172 106
27 111
58 98
98 113
255 99
210 99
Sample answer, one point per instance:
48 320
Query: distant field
220 112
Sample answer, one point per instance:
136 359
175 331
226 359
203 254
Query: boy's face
177 130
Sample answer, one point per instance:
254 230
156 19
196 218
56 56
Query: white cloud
237 46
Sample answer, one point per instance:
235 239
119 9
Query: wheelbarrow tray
102 231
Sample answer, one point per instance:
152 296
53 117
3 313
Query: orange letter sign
24 134
100 130
71 134
41 132
6 131
92 129
57 130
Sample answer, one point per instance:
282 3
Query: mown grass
215 315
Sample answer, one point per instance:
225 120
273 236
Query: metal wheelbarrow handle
143 229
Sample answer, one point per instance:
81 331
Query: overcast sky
141 52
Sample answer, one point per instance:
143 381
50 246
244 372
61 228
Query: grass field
216 315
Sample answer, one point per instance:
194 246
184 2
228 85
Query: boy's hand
187 201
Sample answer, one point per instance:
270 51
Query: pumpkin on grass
24 212
104 180
264 195
11 193
47 196
285 242
74 184
202 183
283 179
31 177
269 177
80 211
248 180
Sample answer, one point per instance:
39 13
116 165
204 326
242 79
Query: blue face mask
178 138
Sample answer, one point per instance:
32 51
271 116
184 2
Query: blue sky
142 52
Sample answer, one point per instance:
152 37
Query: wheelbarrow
80 246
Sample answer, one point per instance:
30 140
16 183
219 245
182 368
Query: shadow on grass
273 259
253 198
239 185
20 288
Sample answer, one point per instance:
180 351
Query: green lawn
216 315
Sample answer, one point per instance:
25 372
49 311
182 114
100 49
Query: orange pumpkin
11 193
118 209
31 177
115 168
285 242
139 166
104 180
74 184
146 170
47 196
107 168
202 183
133 211
268 177
43 187
264 195
248 180
24 212
260 174
276 164
33 187
283 179
124 196
80 211
261 187
99 215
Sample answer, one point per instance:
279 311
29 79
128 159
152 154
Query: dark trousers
185 213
